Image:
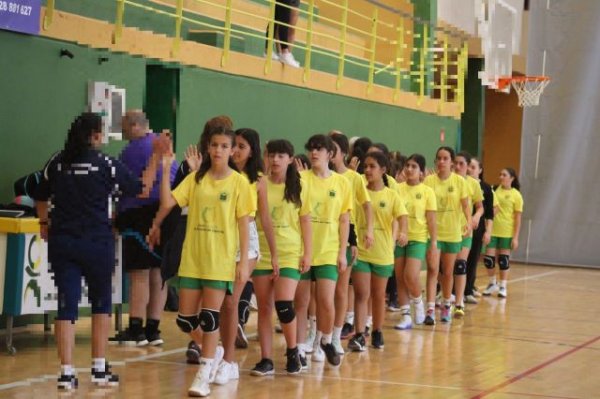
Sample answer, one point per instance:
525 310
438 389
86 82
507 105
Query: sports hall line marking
533 276
535 369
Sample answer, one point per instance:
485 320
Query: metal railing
427 69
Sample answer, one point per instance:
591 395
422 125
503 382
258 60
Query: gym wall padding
42 93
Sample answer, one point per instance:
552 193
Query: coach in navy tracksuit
80 183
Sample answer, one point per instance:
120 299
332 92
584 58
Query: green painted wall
472 120
41 93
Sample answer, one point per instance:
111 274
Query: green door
162 98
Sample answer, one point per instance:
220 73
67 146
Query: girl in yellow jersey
475 199
452 201
380 147
421 206
219 204
376 263
290 212
362 200
331 202
505 233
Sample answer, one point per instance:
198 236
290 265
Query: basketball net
528 88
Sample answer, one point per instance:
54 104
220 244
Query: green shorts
200 283
467 242
500 242
384 271
320 272
414 249
287 272
447 247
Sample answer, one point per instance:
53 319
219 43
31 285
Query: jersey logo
206 214
277 212
382 204
223 196
316 211
419 196
450 189
332 193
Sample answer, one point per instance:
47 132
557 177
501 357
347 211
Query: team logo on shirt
450 189
382 204
419 196
332 193
223 196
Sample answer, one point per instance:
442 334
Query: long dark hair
293 187
359 150
78 138
480 168
206 162
383 161
254 165
515 183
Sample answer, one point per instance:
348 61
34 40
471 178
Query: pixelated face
241 152
412 171
461 166
474 169
279 162
220 149
373 171
443 161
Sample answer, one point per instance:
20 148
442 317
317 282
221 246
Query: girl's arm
344 231
487 236
306 227
167 202
515 238
477 215
464 202
403 230
369 235
267 223
161 146
241 271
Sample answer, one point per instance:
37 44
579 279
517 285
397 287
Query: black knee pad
209 320
187 324
285 311
489 262
243 311
460 267
504 262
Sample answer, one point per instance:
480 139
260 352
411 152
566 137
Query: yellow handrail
49 15
309 31
270 34
177 39
373 47
227 39
399 57
342 45
119 21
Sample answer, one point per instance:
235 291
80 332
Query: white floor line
534 276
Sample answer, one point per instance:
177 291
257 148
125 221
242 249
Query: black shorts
134 225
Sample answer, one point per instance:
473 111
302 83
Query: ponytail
385 180
78 138
515 183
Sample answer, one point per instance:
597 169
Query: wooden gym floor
542 342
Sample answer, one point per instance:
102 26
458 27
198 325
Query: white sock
369 321
493 280
326 339
417 300
447 302
430 305
99 364
349 318
503 283
461 303
207 362
405 310
67 369
312 322
317 340
337 332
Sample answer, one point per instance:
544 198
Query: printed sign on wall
20 16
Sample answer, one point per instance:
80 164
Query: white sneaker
438 299
502 292
337 344
200 386
471 299
227 371
419 313
318 355
405 323
274 56
287 58
219 352
490 289
310 339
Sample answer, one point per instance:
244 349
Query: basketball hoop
529 88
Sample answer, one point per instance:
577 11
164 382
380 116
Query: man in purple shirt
147 295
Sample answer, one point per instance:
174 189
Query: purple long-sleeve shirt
135 156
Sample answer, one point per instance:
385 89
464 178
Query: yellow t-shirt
418 200
448 195
211 235
329 198
510 201
387 206
286 225
495 200
360 194
475 195
253 194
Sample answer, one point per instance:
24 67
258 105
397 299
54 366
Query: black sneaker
153 338
303 361
126 337
241 341
104 378
263 368
347 331
332 356
367 331
377 339
193 353
357 343
293 365
67 382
